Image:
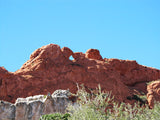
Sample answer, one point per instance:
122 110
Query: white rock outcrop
32 108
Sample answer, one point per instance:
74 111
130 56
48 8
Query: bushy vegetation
101 106
56 116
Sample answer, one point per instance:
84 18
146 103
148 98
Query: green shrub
91 106
101 106
56 116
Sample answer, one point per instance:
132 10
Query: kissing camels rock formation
49 68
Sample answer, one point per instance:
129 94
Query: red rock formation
67 52
153 93
49 69
93 54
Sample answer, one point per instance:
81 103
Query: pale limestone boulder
61 100
31 98
60 104
30 108
35 110
49 105
7 111
61 93
22 111
33 107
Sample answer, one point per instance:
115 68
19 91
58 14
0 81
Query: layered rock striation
49 68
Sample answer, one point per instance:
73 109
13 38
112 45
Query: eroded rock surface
153 93
49 68
7 111
93 54
33 107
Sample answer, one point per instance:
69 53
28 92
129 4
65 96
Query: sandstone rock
49 69
67 52
134 75
78 56
93 54
153 93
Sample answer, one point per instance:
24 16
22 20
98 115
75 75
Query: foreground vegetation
101 106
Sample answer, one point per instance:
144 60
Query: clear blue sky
123 29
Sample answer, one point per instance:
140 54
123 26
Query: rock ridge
49 68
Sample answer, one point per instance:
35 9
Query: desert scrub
100 105
92 106
86 113
56 116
